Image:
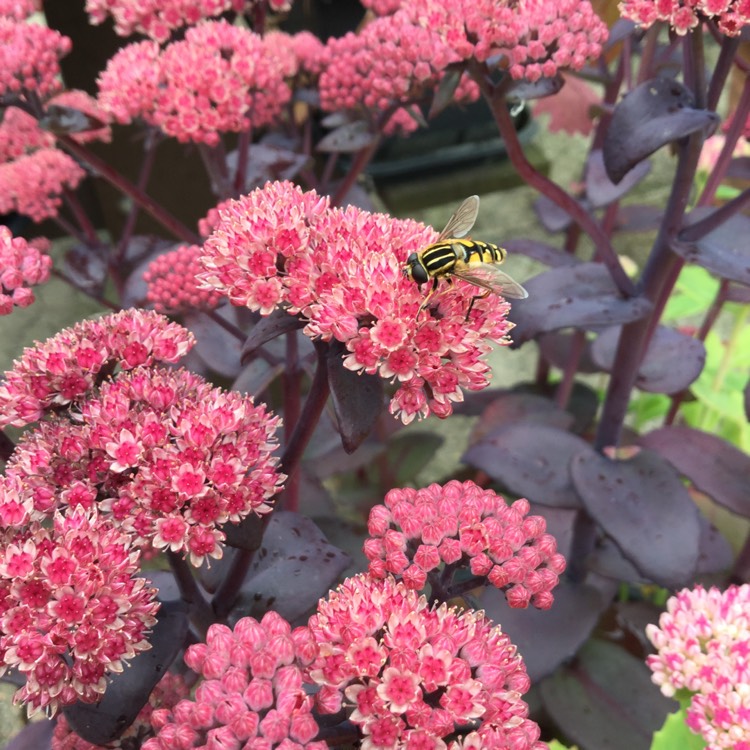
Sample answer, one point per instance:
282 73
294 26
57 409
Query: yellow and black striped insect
453 254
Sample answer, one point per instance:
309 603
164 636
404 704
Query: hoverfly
471 260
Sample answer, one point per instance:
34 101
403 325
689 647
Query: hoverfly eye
418 272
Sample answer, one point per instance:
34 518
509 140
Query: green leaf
555 745
693 294
675 735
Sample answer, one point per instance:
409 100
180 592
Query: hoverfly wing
460 224
489 276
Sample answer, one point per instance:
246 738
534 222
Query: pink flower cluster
171 689
18 10
71 608
684 15
20 134
297 54
703 647
53 374
219 78
341 269
252 695
170 457
417 675
172 285
158 18
416 531
22 265
29 58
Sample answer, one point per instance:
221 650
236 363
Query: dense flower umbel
71 608
172 285
61 370
416 675
416 531
169 456
32 184
20 134
29 58
342 271
158 18
684 15
703 647
219 78
22 265
252 695
171 689
18 9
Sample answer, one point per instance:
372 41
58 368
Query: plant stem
361 160
124 185
89 232
565 386
95 296
7 446
549 188
201 614
729 47
292 381
215 161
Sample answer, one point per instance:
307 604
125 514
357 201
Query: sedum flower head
29 58
341 269
252 693
18 10
71 609
171 689
414 676
703 643
685 15
20 134
22 265
61 370
172 284
461 524
170 457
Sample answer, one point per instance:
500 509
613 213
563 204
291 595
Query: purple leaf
636 217
128 691
553 218
643 506
530 461
600 190
546 638
61 120
357 399
715 554
445 91
34 736
606 699
607 560
268 328
347 139
653 114
295 566
672 362
521 90
582 296
739 168
712 464
621 29
256 376
247 534
555 348
214 344
269 161
517 406
541 252
724 251
142 249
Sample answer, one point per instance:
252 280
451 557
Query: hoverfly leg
427 299
473 300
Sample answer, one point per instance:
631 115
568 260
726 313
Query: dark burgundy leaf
541 252
724 251
606 699
357 399
583 405
293 568
348 138
336 119
445 91
553 218
268 328
247 534
632 617
546 638
582 296
34 736
653 114
127 692
600 190
522 90
214 344
636 217
513 406
621 29
556 349
672 362
86 265
269 161
607 560
715 553
739 168
61 120
642 504
530 461
738 293
560 523
712 464
256 376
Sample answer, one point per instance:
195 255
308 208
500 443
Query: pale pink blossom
685 15
22 265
